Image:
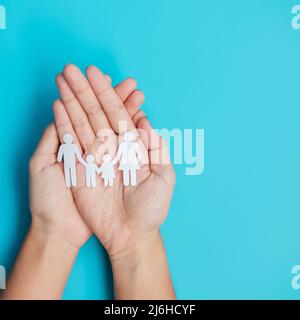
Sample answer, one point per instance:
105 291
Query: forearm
141 271
42 267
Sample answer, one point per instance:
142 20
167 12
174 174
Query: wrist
45 239
141 271
42 267
135 254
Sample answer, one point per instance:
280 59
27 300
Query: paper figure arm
98 170
114 161
118 155
60 154
79 157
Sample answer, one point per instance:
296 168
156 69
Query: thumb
159 156
45 153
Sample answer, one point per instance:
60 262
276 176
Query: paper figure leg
93 180
111 182
105 182
88 181
126 177
133 178
73 176
67 176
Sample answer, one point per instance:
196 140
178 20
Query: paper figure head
68 138
106 158
90 158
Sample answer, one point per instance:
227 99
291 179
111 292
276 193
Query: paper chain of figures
128 156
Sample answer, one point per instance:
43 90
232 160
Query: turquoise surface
230 67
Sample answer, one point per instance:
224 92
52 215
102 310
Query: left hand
53 208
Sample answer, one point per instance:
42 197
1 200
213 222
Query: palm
122 215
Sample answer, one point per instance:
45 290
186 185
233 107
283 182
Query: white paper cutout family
128 156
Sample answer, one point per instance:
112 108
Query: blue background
230 67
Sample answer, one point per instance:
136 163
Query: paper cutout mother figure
129 155
69 151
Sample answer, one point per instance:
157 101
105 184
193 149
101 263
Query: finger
159 156
125 88
76 114
111 103
138 116
133 99
108 78
134 102
87 98
49 142
63 123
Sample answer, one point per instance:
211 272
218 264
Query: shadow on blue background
230 67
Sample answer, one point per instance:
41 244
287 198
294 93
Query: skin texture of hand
42 267
126 220
121 217
52 205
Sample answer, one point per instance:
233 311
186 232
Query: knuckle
69 100
103 91
115 109
93 110
82 91
79 123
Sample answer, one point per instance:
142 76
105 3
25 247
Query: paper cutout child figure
107 170
129 155
68 152
90 171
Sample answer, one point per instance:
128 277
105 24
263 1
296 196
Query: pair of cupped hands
119 216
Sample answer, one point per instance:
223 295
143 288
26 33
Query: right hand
121 217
